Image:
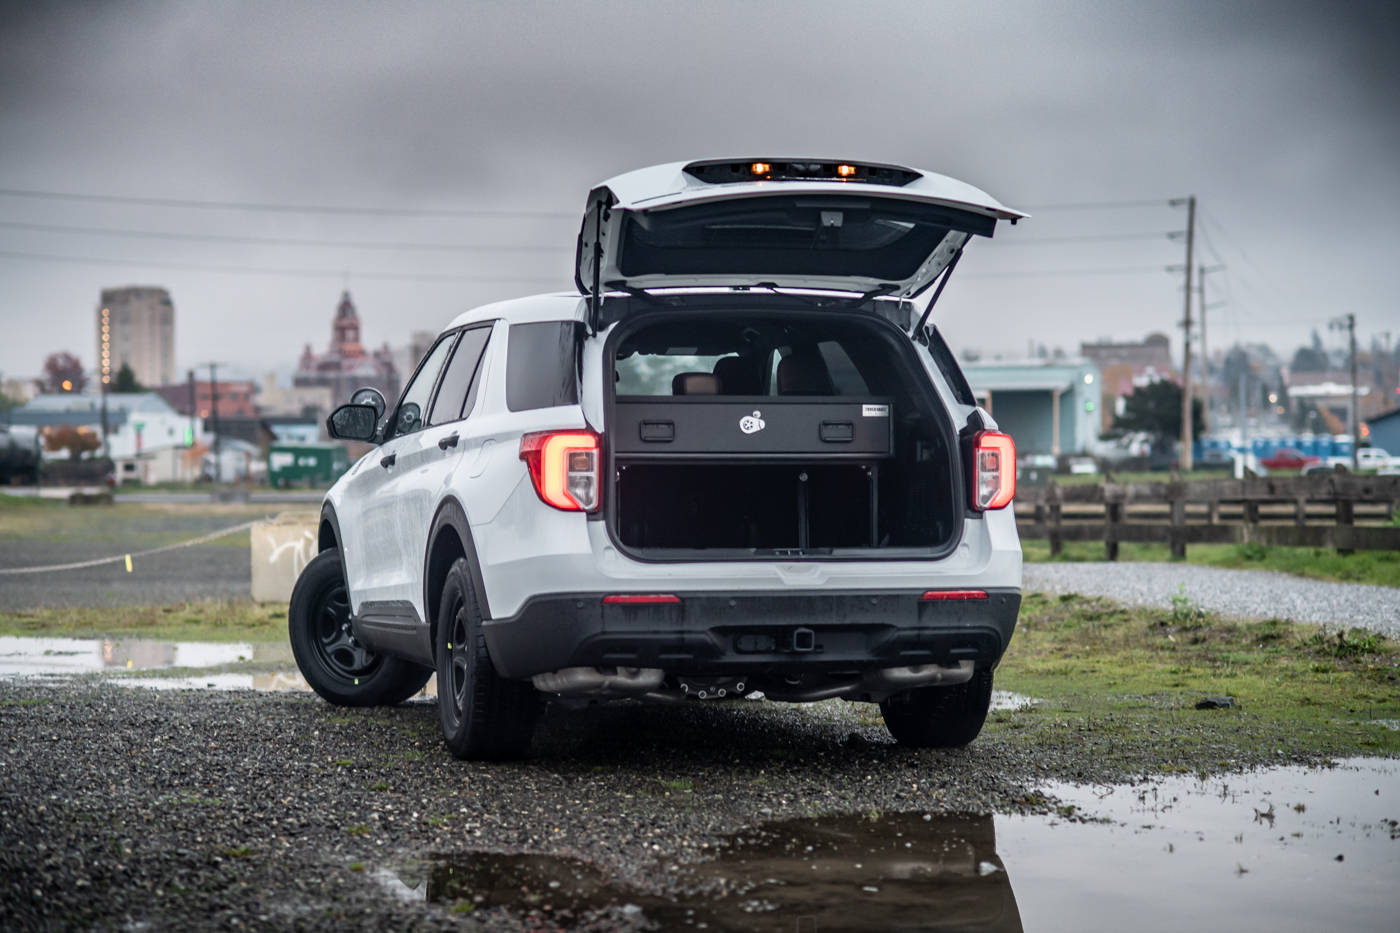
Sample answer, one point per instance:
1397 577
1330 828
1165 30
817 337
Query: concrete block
281 550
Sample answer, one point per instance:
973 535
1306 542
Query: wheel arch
328 535
449 538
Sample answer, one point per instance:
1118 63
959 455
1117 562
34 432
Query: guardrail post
1300 511
1113 520
1176 494
1346 515
1057 541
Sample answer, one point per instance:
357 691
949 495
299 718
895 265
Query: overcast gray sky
1284 119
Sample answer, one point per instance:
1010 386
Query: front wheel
484 717
940 717
333 661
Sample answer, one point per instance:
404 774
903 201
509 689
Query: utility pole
1185 460
214 418
1205 353
1347 322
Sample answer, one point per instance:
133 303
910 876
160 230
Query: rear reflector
955 594
643 598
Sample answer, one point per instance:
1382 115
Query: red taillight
955 594
564 468
993 471
643 598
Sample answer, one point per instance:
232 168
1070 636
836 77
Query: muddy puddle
1287 849
123 659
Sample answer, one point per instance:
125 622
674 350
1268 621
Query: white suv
738 459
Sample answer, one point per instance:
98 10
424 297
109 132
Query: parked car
20 456
736 460
1289 458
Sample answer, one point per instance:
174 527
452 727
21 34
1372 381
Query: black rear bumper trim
751 632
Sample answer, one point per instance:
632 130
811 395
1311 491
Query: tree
77 441
126 380
1156 409
63 372
1311 359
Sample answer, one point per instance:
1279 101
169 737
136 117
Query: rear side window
948 366
541 366
459 380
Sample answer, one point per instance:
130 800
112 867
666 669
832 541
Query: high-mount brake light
993 471
845 171
642 598
760 168
955 594
564 468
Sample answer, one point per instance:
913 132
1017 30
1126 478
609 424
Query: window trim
452 334
452 355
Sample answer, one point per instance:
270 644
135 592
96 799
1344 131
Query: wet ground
125 807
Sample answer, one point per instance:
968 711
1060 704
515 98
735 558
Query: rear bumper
748 632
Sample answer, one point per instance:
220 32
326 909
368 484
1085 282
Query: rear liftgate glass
770 434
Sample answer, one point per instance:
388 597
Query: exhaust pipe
877 683
599 681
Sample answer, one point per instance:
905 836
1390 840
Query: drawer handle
837 432
658 431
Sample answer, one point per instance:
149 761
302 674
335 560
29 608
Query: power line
1093 238
1058 273
277 241
299 273
278 208
1098 205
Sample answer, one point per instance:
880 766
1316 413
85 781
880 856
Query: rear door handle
389 461
446 442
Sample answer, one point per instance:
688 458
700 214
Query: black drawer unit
752 428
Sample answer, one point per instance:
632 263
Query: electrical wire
278 241
1058 273
279 208
1100 205
1092 238
299 273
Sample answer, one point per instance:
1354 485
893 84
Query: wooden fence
1331 510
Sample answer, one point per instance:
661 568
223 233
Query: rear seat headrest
803 374
739 376
695 384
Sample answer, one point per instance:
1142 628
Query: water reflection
854 872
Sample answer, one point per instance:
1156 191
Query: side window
409 416
459 379
541 366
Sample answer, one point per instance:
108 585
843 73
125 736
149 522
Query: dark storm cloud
1282 117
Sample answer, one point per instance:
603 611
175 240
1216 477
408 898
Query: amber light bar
642 598
955 594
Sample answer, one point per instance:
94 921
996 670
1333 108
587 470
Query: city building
236 398
1124 367
147 439
345 366
136 327
1047 407
1383 431
312 402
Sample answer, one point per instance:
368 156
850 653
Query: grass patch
1381 568
360 829
1115 676
213 620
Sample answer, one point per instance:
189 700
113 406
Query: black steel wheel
484 716
334 662
940 717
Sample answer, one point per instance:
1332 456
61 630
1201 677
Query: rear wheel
333 661
484 717
940 717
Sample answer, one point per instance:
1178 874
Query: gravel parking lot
139 809
1260 594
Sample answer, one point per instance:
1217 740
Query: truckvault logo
750 424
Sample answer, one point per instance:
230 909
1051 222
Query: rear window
881 238
541 366
948 366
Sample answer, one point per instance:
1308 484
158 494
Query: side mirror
353 423
372 397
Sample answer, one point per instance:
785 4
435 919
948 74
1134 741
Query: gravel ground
145 810
1261 594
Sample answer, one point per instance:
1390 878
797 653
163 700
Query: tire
940 717
334 664
484 716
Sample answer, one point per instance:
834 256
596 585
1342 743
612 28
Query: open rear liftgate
794 431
